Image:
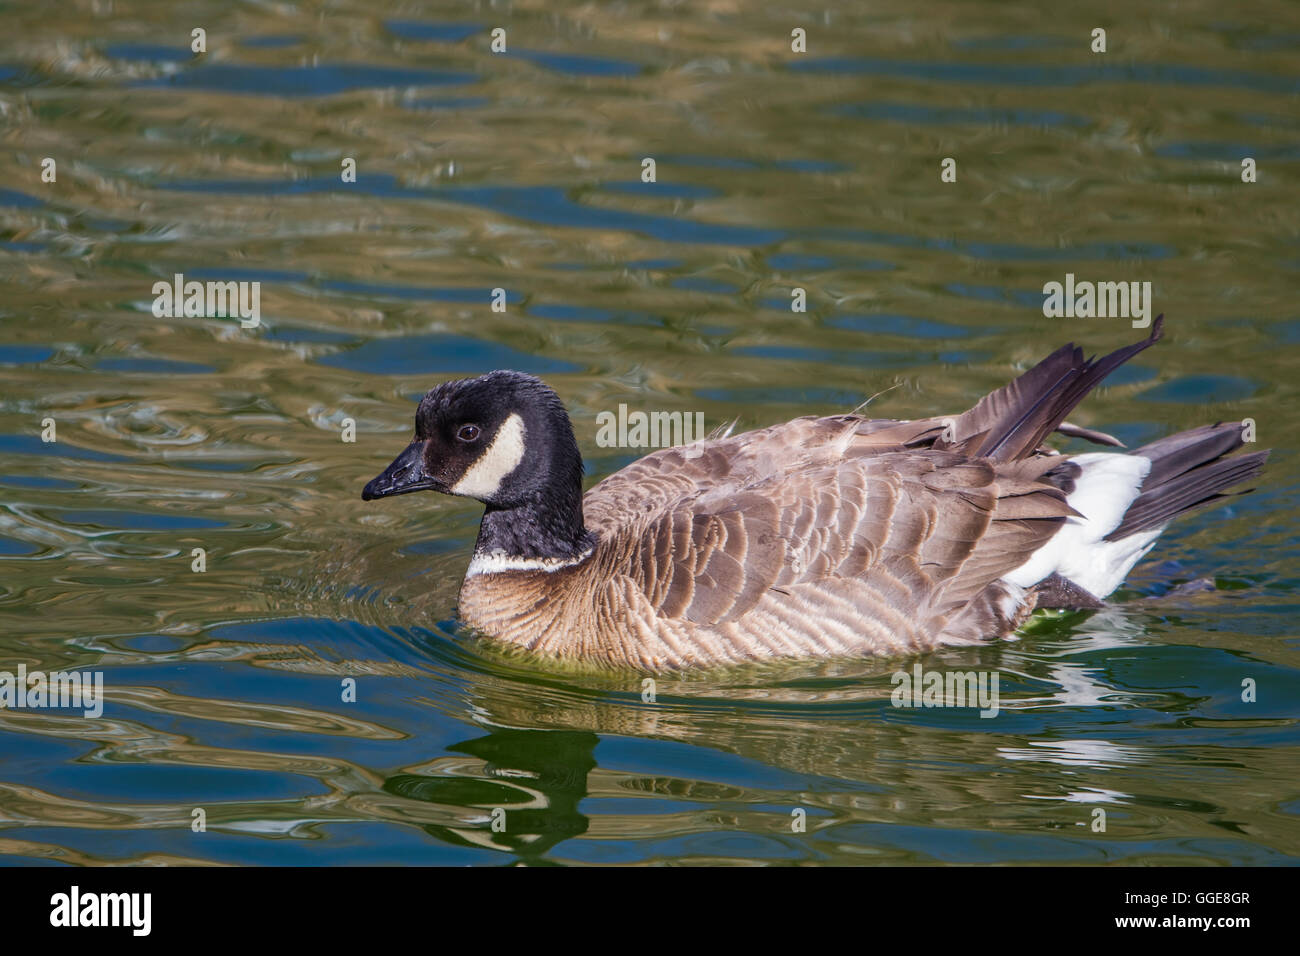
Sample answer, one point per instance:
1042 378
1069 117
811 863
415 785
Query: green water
523 171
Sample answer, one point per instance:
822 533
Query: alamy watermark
76 690
922 688
1102 300
212 300
647 429
74 908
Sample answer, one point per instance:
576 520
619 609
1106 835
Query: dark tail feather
1175 454
1188 470
1013 421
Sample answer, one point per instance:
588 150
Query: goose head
504 439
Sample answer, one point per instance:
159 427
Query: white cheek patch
483 478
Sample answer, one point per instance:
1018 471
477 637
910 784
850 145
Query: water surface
522 171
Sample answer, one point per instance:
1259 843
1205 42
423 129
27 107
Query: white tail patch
1105 488
483 479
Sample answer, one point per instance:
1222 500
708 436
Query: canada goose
822 537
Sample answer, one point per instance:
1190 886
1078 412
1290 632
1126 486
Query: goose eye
468 433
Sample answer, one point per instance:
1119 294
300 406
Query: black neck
546 526
539 513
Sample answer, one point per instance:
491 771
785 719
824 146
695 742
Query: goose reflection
521 790
738 751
